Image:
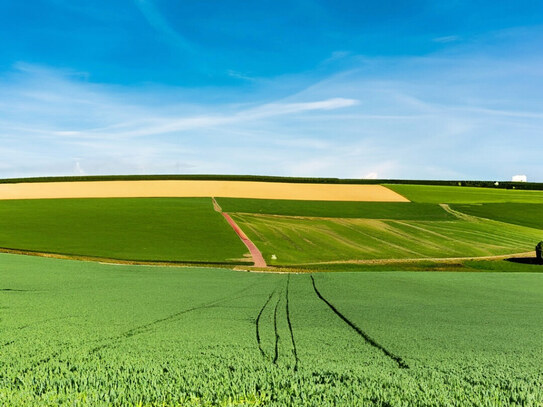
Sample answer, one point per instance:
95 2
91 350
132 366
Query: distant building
519 178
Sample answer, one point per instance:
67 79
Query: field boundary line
258 259
120 262
416 260
401 363
216 205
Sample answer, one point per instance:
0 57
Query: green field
524 214
169 229
88 334
312 240
333 209
451 194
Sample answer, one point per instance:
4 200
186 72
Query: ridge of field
336 209
195 188
166 229
523 214
288 240
88 334
467 195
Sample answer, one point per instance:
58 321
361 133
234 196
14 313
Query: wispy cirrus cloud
161 25
446 116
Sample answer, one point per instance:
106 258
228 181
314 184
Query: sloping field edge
110 260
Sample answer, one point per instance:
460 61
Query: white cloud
423 118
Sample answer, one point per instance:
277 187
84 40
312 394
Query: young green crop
524 214
312 240
87 334
451 194
170 229
333 209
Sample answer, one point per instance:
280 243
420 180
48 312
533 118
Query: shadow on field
525 260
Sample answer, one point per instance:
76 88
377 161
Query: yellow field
225 189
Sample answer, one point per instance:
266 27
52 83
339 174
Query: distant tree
539 252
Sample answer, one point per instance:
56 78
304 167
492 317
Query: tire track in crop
257 322
141 329
401 363
294 350
276 350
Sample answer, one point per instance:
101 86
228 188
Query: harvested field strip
314 240
178 189
401 363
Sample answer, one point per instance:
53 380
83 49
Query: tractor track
276 332
257 322
294 350
282 295
400 362
142 329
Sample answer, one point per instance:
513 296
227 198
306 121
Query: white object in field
496 183
519 178
274 257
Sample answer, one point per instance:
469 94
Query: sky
389 89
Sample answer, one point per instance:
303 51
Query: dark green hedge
485 184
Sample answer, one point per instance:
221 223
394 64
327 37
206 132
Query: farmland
313 240
524 214
452 194
90 334
85 333
167 229
335 209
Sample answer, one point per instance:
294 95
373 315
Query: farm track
294 350
114 340
276 332
256 255
422 259
142 329
257 322
401 363
282 296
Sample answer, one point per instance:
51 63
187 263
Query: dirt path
421 259
255 253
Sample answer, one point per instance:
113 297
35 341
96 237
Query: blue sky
390 89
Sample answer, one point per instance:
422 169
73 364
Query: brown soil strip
226 189
216 205
258 259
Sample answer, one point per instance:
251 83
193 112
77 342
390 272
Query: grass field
331 209
311 240
169 229
524 214
87 334
450 194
